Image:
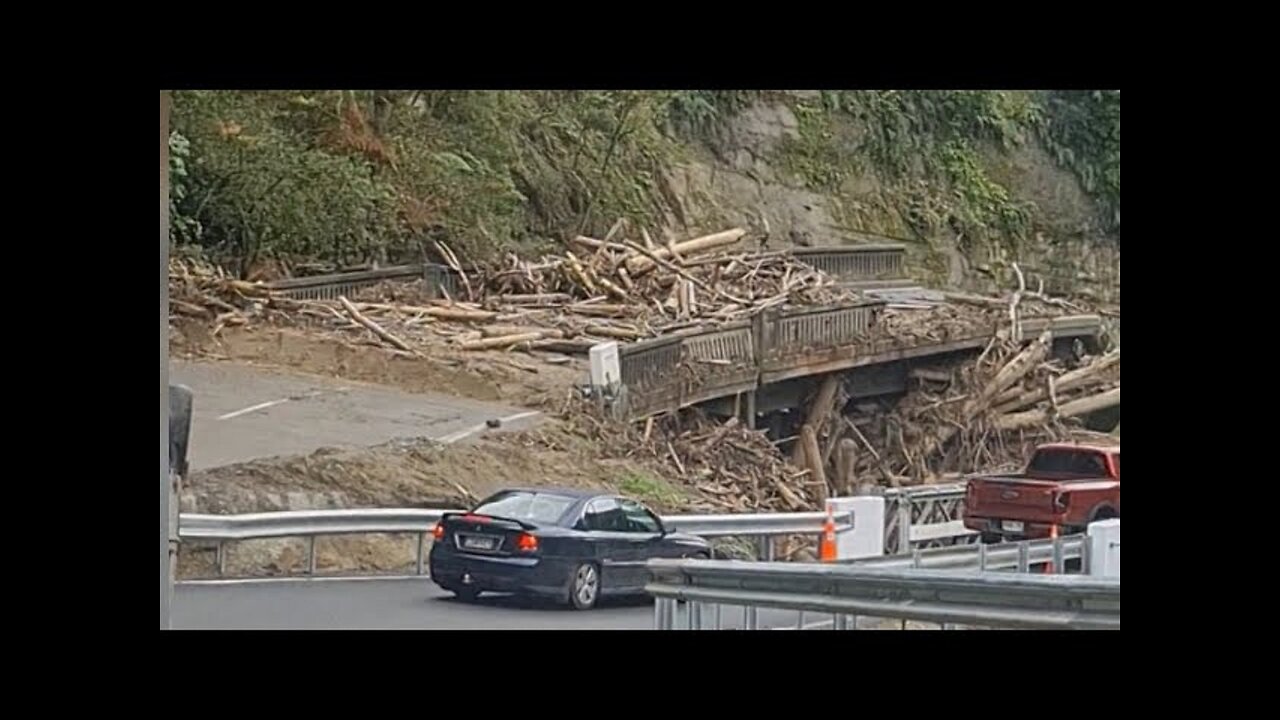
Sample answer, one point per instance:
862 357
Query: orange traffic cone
827 547
1053 535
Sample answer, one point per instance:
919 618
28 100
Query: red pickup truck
1067 485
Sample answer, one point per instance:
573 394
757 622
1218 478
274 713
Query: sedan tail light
438 531
526 542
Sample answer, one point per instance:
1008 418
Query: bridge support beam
749 403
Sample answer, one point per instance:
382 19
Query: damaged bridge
774 360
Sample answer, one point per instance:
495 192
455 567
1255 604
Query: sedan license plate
1012 526
474 542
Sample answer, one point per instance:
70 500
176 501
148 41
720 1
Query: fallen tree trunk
819 409
373 327
1078 378
1075 408
500 342
1012 372
641 264
460 314
809 441
500 330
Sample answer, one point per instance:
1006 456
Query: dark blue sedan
572 546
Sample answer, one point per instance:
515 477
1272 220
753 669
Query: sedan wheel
585 589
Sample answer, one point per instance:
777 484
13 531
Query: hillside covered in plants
270 183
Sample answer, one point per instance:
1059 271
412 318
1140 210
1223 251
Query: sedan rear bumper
453 570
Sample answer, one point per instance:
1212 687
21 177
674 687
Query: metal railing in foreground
310 524
845 592
1018 556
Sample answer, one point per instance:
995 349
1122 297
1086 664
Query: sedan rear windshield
540 508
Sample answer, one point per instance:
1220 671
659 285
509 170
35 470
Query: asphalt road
409 604
242 412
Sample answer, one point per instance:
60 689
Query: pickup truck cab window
1068 462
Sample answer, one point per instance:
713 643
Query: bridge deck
669 373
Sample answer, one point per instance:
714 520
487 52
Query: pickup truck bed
1057 491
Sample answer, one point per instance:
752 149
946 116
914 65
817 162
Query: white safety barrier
1104 541
866 539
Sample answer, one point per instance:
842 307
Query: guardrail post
422 541
719 624
691 611
1104 550
1059 560
220 557
750 618
765 552
664 612
1024 557
311 555
982 556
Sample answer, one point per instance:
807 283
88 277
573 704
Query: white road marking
263 406
251 408
460 434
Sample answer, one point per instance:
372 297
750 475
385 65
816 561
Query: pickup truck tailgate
1010 497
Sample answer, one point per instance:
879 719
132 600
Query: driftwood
813 456
1075 408
373 327
502 341
846 480
819 410
638 265
1093 373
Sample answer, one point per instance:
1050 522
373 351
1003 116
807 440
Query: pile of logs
733 468
672 284
597 290
953 420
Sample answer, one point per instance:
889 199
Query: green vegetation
1082 129
922 146
347 175
650 490
350 176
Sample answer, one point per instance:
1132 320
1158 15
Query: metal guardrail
1018 556
328 287
311 524
300 523
845 592
883 261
